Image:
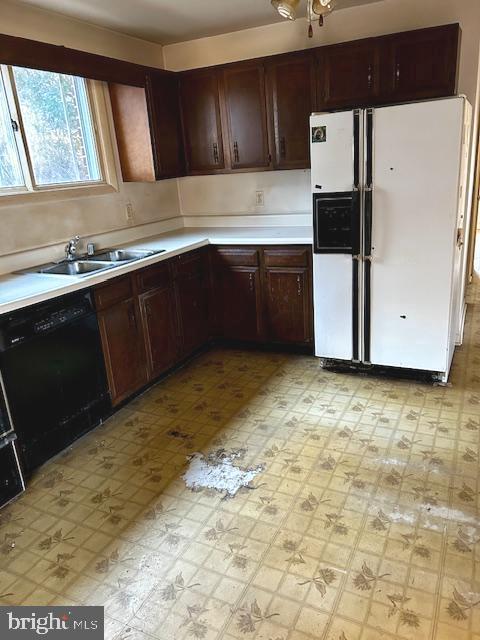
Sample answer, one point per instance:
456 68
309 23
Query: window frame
97 105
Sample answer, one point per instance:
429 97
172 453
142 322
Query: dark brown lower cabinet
288 295
157 307
239 303
123 347
288 305
192 300
264 294
156 317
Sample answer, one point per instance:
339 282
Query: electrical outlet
129 212
259 198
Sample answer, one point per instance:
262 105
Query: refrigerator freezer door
331 137
335 156
332 300
416 165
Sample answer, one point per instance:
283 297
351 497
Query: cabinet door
192 301
123 348
245 106
132 131
239 301
421 64
200 100
165 124
290 87
348 74
158 316
288 305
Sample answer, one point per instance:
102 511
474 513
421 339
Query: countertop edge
63 285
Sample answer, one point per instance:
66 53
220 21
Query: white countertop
22 290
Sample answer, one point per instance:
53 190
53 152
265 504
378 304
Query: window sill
49 195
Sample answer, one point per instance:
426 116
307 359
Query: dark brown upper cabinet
148 129
202 126
253 115
246 116
420 64
348 74
165 125
290 99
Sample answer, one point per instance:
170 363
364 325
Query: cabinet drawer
155 277
236 257
190 264
113 292
286 257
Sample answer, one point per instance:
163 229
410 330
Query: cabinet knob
283 147
370 76
132 318
235 152
251 281
299 286
397 73
215 152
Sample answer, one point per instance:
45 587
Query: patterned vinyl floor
363 522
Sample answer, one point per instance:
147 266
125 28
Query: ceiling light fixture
286 8
316 9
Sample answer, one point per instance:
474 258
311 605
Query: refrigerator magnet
319 134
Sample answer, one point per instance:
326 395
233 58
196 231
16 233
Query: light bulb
286 8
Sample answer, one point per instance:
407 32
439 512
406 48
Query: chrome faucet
71 248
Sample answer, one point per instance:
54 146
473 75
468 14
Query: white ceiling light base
286 8
316 10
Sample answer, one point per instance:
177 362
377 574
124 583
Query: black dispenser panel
336 222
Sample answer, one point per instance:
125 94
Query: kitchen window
48 137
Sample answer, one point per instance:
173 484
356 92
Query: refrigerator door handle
357 254
356 149
367 239
369 149
367 233
356 262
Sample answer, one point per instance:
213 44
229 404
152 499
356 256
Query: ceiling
168 21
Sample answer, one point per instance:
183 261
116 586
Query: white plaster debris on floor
217 471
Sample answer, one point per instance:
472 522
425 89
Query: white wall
24 21
286 193
228 195
39 223
373 19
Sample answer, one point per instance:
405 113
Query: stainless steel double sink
86 265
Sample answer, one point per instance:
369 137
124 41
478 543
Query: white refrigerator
390 226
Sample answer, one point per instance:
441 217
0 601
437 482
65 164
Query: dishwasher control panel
24 324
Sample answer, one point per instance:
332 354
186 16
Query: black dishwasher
11 478
54 375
